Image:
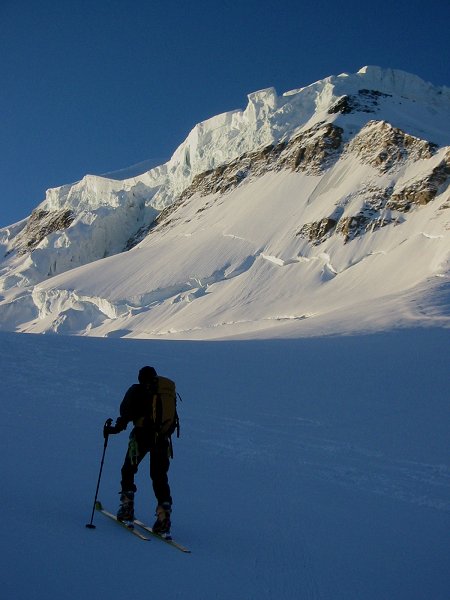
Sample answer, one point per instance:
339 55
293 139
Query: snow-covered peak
409 103
389 81
284 211
402 83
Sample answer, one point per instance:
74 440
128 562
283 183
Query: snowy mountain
323 210
306 468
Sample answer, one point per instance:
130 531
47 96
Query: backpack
164 407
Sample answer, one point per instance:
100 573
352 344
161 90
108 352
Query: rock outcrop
423 190
260 214
41 224
378 145
385 147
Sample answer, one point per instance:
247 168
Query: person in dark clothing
137 407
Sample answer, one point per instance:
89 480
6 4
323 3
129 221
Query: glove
109 429
121 424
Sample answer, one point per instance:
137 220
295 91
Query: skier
138 406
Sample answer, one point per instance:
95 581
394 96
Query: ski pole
105 435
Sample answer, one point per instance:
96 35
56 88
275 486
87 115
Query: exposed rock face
385 147
319 230
315 150
378 144
311 152
383 206
41 223
372 216
423 191
364 101
260 215
351 227
365 170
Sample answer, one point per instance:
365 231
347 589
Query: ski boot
126 508
162 523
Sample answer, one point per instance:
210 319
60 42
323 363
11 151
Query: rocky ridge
379 145
259 205
41 224
312 152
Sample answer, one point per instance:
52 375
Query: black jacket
136 405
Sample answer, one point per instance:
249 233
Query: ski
139 534
130 528
168 541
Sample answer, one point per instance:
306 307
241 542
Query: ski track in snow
307 488
335 462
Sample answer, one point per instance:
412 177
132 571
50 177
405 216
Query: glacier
322 210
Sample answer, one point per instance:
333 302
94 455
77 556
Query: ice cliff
349 155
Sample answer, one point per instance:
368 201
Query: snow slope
228 268
301 214
312 468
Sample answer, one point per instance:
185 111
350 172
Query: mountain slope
302 214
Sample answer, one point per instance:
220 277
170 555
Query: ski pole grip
106 426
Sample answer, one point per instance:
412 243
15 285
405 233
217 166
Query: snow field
313 468
231 265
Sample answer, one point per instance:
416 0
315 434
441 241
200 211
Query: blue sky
91 86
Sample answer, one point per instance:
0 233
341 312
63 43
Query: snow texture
310 465
309 468
324 210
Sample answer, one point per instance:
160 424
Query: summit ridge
344 184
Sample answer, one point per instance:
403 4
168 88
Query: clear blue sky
91 86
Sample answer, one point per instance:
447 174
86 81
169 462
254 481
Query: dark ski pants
140 444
